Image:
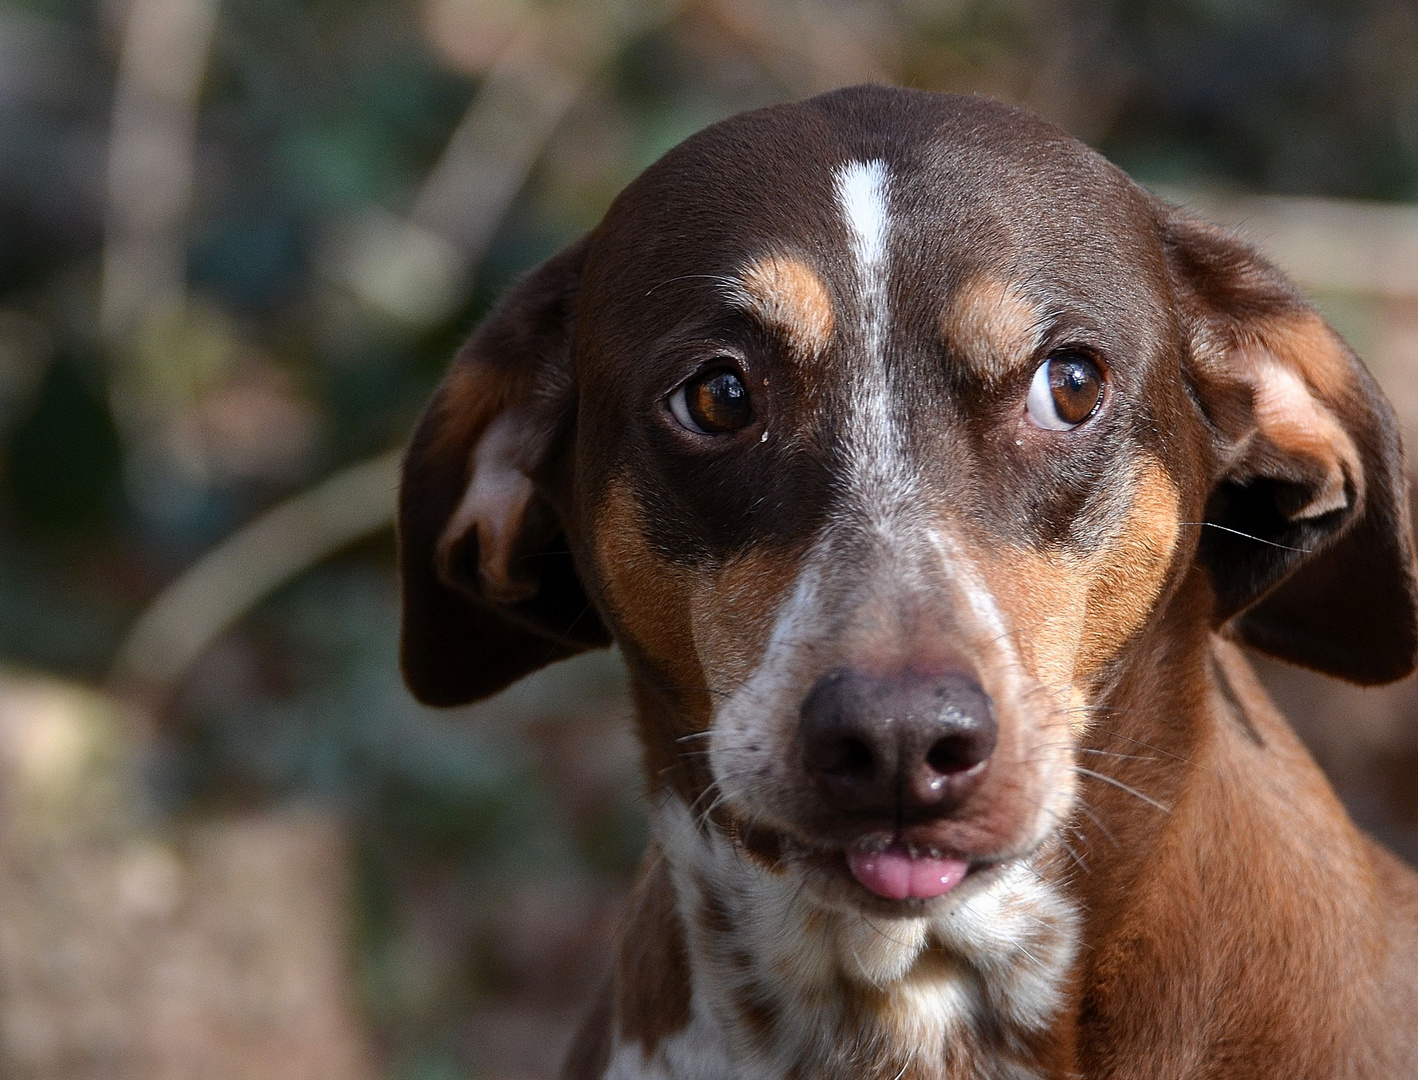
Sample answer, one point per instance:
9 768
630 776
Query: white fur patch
1001 952
881 476
861 191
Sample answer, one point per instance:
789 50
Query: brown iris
716 402
1076 385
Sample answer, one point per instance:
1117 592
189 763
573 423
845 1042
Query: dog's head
879 430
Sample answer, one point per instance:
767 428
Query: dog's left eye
1064 392
713 403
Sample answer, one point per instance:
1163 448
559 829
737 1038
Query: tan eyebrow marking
789 296
992 324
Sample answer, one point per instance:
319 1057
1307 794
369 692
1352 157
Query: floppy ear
490 592
1309 546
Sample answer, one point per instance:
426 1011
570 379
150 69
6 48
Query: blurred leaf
253 259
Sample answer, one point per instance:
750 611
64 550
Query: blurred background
239 239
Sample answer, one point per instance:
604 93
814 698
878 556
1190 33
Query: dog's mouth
884 872
899 873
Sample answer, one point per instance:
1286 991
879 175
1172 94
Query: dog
930 475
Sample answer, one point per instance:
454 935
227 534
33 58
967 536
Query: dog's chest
785 989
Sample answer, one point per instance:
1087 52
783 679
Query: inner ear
1300 441
499 523
1291 477
1309 550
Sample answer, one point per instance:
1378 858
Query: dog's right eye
713 403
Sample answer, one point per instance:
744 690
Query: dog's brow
789 296
992 324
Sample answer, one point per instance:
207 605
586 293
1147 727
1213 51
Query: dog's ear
1308 544
490 592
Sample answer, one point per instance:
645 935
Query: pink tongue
895 874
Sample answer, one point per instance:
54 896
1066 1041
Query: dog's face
878 431
881 462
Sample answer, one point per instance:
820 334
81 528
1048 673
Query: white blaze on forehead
861 191
881 475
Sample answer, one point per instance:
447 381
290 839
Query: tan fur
1126 576
1074 611
1304 341
732 614
991 324
471 395
790 297
707 629
649 597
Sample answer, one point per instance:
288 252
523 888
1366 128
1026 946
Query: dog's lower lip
896 874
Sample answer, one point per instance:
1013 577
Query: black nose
908 746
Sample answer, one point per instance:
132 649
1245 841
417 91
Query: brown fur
647 998
650 596
652 972
701 629
1256 884
1076 610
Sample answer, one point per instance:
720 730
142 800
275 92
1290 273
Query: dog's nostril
944 755
958 753
846 758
